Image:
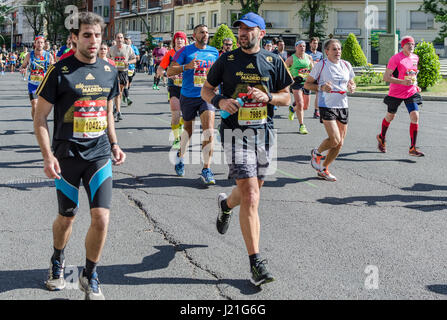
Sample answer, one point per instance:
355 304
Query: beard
87 54
250 44
202 41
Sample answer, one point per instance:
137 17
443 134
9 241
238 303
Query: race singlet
90 119
252 113
38 67
119 62
200 76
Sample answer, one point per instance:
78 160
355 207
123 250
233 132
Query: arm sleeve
49 85
115 90
283 76
215 74
166 61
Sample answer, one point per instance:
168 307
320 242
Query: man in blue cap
258 79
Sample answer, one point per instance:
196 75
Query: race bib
119 62
37 76
130 72
252 113
303 73
411 74
90 119
199 76
178 80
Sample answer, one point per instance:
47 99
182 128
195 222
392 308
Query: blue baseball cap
251 20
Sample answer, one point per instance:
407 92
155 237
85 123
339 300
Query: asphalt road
376 233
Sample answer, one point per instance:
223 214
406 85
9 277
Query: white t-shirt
338 74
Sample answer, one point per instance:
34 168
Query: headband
405 40
299 42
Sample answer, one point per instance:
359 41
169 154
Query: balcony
155 4
178 2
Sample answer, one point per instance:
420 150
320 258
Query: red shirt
66 55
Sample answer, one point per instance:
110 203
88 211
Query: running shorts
339 114
299 86
412 103
174 91
191 107
96 177
123 77
32 91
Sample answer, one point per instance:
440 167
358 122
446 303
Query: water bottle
224 114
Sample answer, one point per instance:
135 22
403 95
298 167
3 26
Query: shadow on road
425 187
374 200
120 274
437 288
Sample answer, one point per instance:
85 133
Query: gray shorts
248 155
191 107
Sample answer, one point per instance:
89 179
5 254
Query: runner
123 55
22 57
131 71
174 87
64 49
82 142
38 62
102 53
316 57
401 73
300 65
158 54
194 61
332 78
12 61
2 62
281 49
248 72
268 45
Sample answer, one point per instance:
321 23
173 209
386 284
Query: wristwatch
270 97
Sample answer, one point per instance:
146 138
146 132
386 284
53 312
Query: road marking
294 177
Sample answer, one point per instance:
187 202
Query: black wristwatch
270 97
113 144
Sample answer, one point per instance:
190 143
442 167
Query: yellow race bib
252 113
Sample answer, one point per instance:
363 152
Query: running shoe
316 160
259 273
91 287
223 217
291 113
179 166
157 88
415 152
119 116
303 129
326 175
207 176
56 279
129 102
176 144
381 145
316 114
153 87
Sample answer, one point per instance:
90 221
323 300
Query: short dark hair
280 40
88 18
199 26
314 39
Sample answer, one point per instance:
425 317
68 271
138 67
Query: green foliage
429 66
247 5
369 76
222 32
316 12
352 52
439 9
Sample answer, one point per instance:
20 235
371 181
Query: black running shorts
299 86
339 114
123 77
174 91
411 103
96 177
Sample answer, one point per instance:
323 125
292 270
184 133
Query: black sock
224 205
58 255
90 268
254 258
126 93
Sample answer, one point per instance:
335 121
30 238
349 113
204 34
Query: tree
352 52
429 65
34 18
316 12
55 18
223 32
247 5
439 9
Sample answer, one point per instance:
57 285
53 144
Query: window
166 26
202 18
214 19
134 25
100 10
95 10
347 19
278 19
181 22
421 20
149 24
190 25
156 24
142 4
106 12
234 15
306 22
383 20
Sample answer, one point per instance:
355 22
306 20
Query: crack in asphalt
176 243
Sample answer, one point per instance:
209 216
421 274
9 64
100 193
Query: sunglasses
228 44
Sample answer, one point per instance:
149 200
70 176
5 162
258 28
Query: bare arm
175 68
388 77
25 62
51 164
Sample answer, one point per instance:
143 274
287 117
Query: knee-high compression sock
385 125
126 93
176 130
414 127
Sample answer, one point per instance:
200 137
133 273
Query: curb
383 95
